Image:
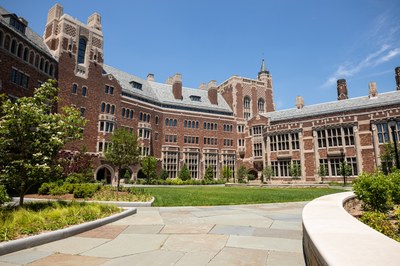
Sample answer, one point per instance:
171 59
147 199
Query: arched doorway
104 173
140 174
254 173
126 175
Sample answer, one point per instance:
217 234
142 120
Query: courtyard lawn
208 196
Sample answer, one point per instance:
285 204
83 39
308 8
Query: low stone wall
331 236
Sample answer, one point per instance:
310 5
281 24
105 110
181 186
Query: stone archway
126 174
140 174
106 173
253 172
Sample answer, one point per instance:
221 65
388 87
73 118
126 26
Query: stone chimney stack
203 86
299 102
373 92
94 21
169 81
55 13
177 86
150 77
397 77
212 92
342 89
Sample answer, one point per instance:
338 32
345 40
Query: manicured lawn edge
32 241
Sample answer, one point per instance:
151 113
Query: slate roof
30 35
162 93
364 102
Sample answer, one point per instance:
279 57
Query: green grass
34 218
208 196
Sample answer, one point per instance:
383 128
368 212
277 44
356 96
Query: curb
122 204
32 241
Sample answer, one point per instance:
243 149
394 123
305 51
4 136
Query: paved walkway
266 234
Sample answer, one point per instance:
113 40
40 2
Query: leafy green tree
184 173
387 157
226 173
164 174
123 151
209 174
345 170
322 172
295 170
31 137
268 172
149 166
241 174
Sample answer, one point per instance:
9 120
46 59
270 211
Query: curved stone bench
331 236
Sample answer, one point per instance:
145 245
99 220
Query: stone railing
331 236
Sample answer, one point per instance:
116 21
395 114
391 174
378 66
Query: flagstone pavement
264 234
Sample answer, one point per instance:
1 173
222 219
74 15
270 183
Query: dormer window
17 25
136 85
195 98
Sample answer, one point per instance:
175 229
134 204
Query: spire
263 69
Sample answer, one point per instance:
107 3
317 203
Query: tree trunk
21 200
118 179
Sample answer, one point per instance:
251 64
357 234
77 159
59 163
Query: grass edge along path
212 196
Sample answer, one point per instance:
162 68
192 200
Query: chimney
169 81
397 77
373 92
342 89
150 77
55 12
203 86
177 86
299 102
94 21
212 92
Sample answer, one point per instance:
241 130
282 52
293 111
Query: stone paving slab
278 233
73 245
240 220
239 256
265 243
187 229
189 243
125 244
68 260
278 258
106 231
24 256
196 258
233 230
153 258
143 229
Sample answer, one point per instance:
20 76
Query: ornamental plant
31 136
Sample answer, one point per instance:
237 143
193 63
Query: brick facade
232 124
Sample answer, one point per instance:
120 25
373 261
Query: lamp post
343 166
392 125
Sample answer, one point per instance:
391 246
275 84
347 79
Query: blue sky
307 45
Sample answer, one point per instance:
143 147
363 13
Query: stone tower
83 43
397 77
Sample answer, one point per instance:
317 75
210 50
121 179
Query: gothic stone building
232 124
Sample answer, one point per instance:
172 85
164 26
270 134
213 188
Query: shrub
3 195
58 190
45 188
86 190
395 183
379 222
374 190
164 174
184 173
251 177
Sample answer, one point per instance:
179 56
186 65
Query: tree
241 174
77 162
123 150
226 172
268 172
322 172
209 174
31 137
295 170
184 173
387 157
149 166
345 170
164 174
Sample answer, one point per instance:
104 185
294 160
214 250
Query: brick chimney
150 77
177 86
342 89
373 92
299 102
397 77
212 92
